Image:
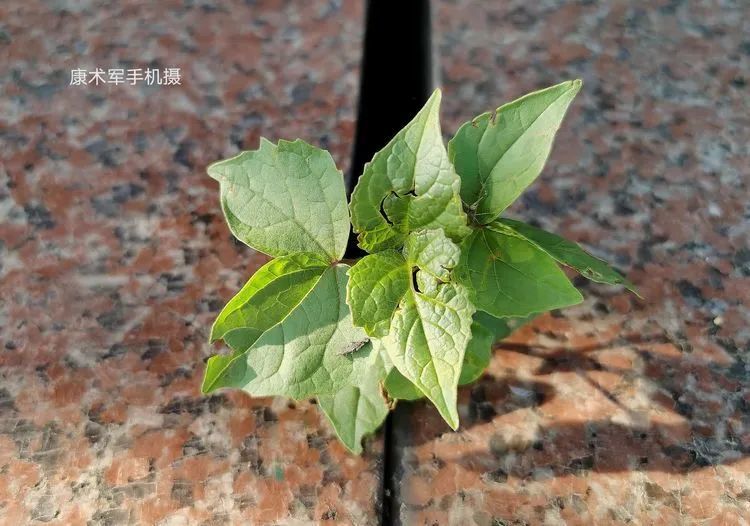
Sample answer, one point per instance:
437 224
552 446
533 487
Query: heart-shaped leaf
427 317
285 199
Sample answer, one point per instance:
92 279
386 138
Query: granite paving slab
617 411
114 259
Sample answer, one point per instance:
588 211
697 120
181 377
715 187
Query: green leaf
508 276
267 298
500 153
409 185
429 319
357 409
478 352
397 387
221 373
355 412
376 285
433 254
570 254
314 350
427 341
285 199
486 330
378 282
431 329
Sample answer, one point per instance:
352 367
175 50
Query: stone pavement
114 259
617 411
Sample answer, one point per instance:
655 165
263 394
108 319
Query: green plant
445 276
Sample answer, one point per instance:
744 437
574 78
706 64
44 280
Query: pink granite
618 411
114 259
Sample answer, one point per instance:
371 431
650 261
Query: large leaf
429 318
427 341
500 153
314 350
379 282
409 185
508 276
285 199
267 298
359 408
570 254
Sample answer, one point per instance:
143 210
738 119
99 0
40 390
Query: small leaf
409 185
285 199
486 330
377 283
267 298
570 254
303 355
397 387
478 353
508 276
433 253
429 318
357 409
500 153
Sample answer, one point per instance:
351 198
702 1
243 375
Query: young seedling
444 278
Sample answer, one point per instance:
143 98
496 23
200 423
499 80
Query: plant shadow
573 410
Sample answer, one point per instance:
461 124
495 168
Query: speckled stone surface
617 411
114 259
